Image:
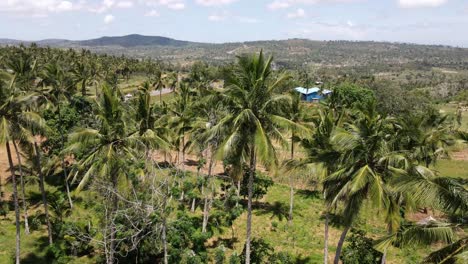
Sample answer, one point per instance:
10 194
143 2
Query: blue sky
415 21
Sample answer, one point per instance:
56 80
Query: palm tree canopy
255 111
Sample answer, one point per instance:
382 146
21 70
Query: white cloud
299 13
176 6
171 4
282 4
38 8
152 13
421 3
247 20
330 30
125 4
214 2
224 16
219 16
216 18
109 19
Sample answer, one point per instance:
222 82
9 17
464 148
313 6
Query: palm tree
444 193
254 119
23 66
147 116
425 139
321 154
61 87
297 114
209 110
365 165
182 116
14 125
106 151
82 75
170 80
158 83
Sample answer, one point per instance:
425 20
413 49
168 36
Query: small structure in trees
313 94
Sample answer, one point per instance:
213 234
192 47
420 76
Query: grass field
303 239
452 109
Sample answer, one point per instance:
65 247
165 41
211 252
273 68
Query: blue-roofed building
313 94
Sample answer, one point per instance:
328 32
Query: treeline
111 171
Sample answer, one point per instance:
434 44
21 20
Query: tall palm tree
449 195
60 87
254 120
14 125
82 75
321 154
23 66
297 114
106 151
209 110
425 139
182 118
170 80
146 116
366 164
158 83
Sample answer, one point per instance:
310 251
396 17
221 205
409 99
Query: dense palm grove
78 146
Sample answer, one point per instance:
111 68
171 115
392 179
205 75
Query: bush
220 255
235 259
360 250
260 186
260 251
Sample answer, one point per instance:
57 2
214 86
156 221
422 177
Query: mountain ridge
134 40
288 53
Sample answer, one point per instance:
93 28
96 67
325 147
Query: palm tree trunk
249 203
192 209
114 201
238 191
291 185
183 150
384 257
291 202
292 145
23 196
83 88
43 193
325 244
64 169
160 96
339 247
15 201
164 239
206 207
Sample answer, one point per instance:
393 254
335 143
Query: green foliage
348 95
260 187
360 249
220 255
186 238
235 259
261 251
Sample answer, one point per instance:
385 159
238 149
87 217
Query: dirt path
4 167
460 155
163 91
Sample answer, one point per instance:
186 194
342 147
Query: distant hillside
134 41
366 56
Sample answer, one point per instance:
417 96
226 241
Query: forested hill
288 53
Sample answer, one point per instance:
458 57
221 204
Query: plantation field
303 238
452 109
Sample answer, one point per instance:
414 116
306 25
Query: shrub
360 250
